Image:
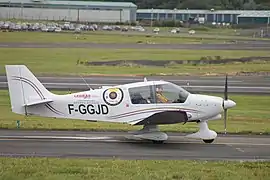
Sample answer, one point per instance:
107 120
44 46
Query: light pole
174 10
267 26
152 17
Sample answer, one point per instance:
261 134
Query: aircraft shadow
168 145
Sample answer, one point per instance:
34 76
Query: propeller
227 103
223 105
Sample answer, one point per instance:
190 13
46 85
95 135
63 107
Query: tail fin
25 89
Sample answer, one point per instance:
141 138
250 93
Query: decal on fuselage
84 96
86 102
113 96
88 109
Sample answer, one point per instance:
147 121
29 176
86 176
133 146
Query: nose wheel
204 133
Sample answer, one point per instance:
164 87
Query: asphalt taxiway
195 84
18 143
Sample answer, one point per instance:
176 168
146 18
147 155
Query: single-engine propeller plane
147 103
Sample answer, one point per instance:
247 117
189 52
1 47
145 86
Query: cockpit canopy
164 92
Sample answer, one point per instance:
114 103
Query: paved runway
237 84
239 46
113 144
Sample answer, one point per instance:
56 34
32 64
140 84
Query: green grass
63 61
77 169
251 115
113 37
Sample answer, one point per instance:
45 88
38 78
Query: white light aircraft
147 103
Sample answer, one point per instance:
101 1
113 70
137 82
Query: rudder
24 88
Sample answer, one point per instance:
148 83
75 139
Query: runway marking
59 137
239 149
227 143
112 139
63 140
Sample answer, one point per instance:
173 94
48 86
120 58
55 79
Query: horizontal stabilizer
32 103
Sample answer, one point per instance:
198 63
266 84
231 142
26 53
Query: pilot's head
159 89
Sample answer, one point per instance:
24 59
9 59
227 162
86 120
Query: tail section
25 89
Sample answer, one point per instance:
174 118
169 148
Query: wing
165 117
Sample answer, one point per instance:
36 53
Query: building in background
83 11
208 16
255 17
94 11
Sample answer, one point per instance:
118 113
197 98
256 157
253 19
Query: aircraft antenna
86 83
145 80
188 86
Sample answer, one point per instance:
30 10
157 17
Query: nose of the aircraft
228 104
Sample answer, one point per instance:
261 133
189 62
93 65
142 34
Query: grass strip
63 61
54 168
117 37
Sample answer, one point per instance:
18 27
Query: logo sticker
83 96
113 96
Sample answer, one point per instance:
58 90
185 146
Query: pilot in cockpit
160 97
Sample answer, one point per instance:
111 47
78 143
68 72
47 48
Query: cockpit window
170 93
163 93
142 95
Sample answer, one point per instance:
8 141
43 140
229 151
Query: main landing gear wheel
208 140
150 133
157 142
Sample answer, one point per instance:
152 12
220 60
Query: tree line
199 4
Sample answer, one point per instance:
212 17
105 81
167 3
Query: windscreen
162 93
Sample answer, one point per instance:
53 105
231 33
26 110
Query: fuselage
147 103
119 103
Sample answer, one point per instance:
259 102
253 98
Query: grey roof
193 11
255 14
73 3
